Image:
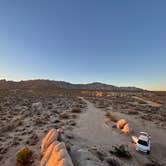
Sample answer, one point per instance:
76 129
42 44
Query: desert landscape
82 83
87 120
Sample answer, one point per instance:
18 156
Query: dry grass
23 157
111 117
64 115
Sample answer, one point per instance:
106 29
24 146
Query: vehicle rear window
142 142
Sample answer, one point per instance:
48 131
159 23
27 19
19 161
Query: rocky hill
32 84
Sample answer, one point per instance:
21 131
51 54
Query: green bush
23 157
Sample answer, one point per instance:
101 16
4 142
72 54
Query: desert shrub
6 128
111 117
39 121
132 112
23 157
141 102
76 110
74 116
112 162
152 164
121 151
64 115
18 122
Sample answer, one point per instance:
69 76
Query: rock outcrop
123 126
53 152
121 123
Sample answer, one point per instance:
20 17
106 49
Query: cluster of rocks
53 152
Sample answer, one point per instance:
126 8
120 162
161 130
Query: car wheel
148 152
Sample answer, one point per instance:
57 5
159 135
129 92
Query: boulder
121 123
53 152
50 137
125 129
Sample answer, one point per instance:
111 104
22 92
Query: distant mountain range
32 84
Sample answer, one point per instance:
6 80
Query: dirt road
93 129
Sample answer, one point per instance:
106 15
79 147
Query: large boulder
125 129
54 153
50 137
123 126
121 123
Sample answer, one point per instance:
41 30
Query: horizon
84 83
112 42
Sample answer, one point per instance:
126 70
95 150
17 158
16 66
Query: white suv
143 143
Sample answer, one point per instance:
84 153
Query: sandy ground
94 131
89 132
154 104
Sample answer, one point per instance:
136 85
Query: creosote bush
111 117
112 162
64 116
121 151
76 110
23 157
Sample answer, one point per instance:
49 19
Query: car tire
148 152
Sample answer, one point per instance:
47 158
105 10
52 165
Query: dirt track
92 128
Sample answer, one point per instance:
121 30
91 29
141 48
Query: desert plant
141 102
76 110
111 117
133 112
112 162
152 164
64 116
121 151
23 157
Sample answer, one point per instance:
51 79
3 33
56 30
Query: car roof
143 133
143 137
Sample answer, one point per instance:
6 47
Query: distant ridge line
42 83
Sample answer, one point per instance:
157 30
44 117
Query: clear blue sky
121 42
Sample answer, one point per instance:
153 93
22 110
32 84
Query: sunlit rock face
99 94
125 129
53 152
123 126
50 138
121 123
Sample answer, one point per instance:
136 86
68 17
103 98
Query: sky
119 42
